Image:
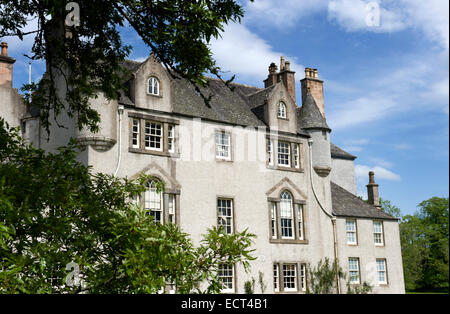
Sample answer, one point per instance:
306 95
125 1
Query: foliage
425 243
85 59
54 211
323 277
249 286
389 208
363 288
261 282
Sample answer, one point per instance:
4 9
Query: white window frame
382 270
151 196
276 277
296 155
282 152
294 276
171 138
135 130
301 226
154 87
284 218
353 261
282 110
171 208
351 232
274 221
270 156
225 220
378 233
223 145
226 268
150 132
302 274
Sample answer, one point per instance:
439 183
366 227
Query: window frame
385 282
295 277
381 233
171 129
354 232
276 277
149 135
281 110
233 279
148 200
135 132
270 152
291 218
217 145
357 271
230 217
158 86
287 155
296 155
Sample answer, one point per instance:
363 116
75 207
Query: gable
286 184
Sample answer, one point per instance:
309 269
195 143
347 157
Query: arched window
281 110
286 215
153 201
153 86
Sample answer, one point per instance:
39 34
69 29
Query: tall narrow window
153 86
153 136
284 154
171 138
153 202
226 277
223 145
281 110
225 215
381 271
290 277
273 216
135 133
350 227
286 215
303 277
276 278
296 156
301 235
270 152
378 233
171 208
353 270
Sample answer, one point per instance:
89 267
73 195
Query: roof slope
309 116
337 152
226 105
346 204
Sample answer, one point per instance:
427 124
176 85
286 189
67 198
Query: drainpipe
120 113
329 214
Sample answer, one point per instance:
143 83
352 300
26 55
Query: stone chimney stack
315 86
372 191
287 77
272 78
6 67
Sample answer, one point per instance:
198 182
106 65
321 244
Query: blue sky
386 86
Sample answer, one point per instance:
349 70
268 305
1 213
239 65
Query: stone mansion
252 159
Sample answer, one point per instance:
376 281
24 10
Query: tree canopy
59 222
83 55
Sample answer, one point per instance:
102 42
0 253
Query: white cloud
362 171
244 53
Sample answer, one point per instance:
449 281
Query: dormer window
153 86
281 110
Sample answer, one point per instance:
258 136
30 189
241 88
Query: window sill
288 241
153 152
153 95
223 159
281 168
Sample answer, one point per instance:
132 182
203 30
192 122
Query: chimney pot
287 66
4 46
372 191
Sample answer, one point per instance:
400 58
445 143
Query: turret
312 120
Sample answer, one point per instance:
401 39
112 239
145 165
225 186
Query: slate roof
309 116
337 152
347 204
